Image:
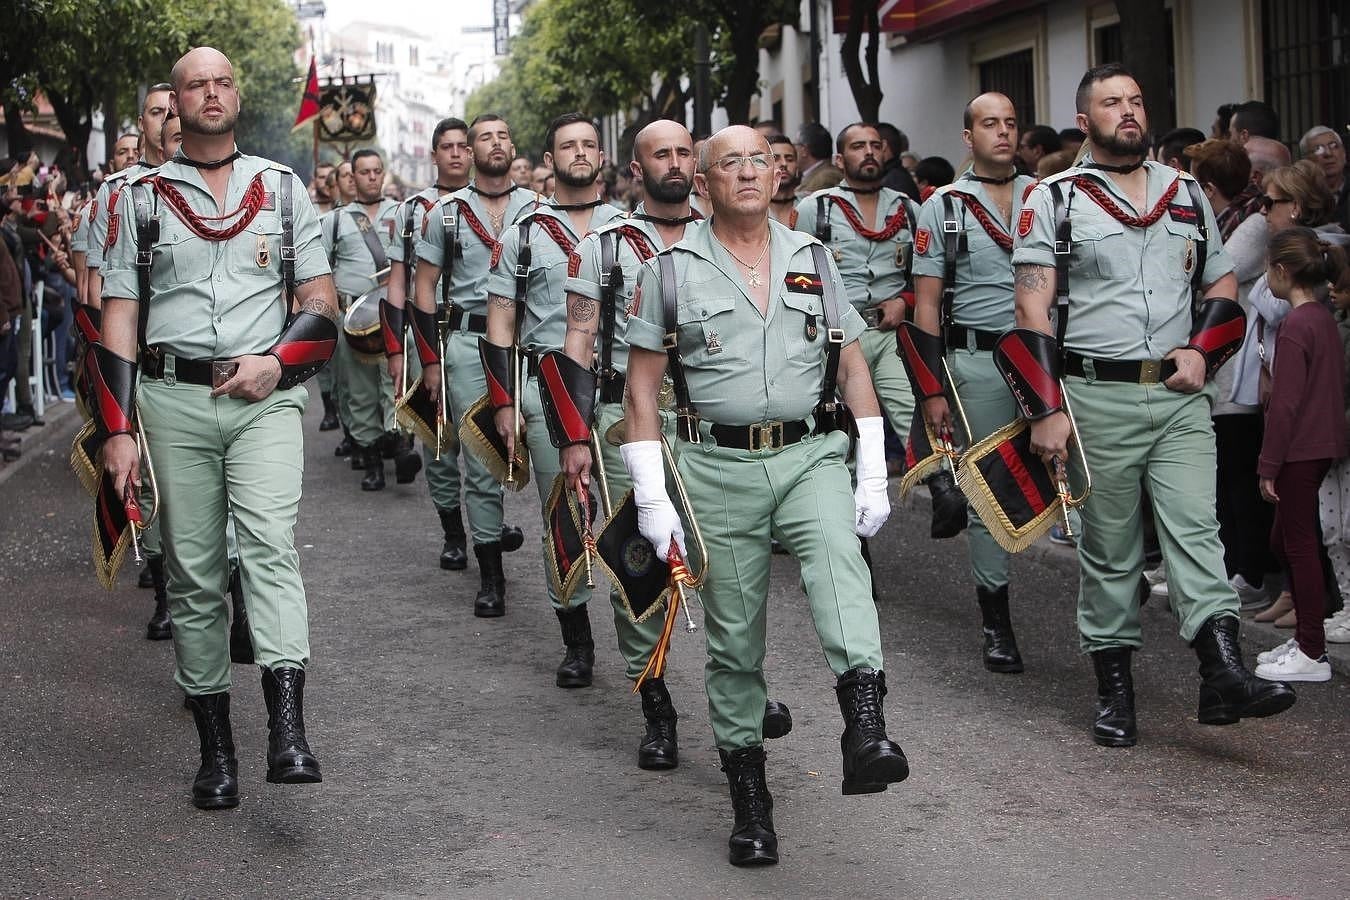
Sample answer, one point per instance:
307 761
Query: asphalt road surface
454 768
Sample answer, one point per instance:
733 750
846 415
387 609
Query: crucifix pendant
754 279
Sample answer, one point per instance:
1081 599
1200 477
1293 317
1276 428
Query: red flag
309 104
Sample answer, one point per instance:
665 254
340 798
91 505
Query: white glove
870 500
657 520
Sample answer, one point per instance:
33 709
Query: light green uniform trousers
1133 432
802 495
989 406
889 379
482 493
211 456
366 402
636 640
325 379
546 465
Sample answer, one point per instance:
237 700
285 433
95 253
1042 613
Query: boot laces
750 799
867 715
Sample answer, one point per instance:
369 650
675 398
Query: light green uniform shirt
415 207
1129 288
546 296
744 368
211 299
984 275
469 275
79 239
354 266
873 270
103 201
637 241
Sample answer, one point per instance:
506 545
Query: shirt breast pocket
189 260
803 326
1182 251
708 334
257 251
1098 250
548 278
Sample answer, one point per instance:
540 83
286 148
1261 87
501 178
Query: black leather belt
1129 371
763 436
531 363
958 337
464 321
188 371
611 388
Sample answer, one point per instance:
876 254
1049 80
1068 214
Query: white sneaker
1275 654
1251 599
1295 666
1338 627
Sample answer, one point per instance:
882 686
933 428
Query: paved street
454 767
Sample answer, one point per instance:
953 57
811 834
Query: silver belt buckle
872 316
766 436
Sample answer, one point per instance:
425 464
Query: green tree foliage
99 54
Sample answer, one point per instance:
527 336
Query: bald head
196 59
659 133
663 157
1266 154
732 140
205 95
990 103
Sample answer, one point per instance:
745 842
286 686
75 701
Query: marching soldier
358 237
217 270
750 321
783 206
870 230
457 236
1128 254
964 292
530 269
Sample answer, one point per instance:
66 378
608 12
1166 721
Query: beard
196 124
867 171
673 188
490 168
1116 144
787 188
565 176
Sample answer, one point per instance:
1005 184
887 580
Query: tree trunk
1143 28
744 81
76 120
16 132
111 123
866 89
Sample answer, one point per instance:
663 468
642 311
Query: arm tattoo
1031 277
308 280
589 332
582 308
317 306
501 302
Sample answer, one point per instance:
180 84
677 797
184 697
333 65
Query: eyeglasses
1268 202
1326 149
760 161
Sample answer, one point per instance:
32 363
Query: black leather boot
660 746
1000 644
330 417
146 579
491 600
389 444
575 669
1114 725
289 759
777 720
753 841
347 446
1228 692
453 557
374 480
158 628
408 462
512 538
217 783
949 506
241 639
871 760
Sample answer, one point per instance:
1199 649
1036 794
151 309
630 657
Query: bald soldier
751 321
217 289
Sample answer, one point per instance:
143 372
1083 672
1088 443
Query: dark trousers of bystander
1295 540
1245 520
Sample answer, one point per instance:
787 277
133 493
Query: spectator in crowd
909 161
815 148
768 128
931 173
1223 171
1071 140
11 306
896 173
1334 499
1266 155
1222 116
1253 119
1036 142
1172 147
1305 434
521 170
1324 147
